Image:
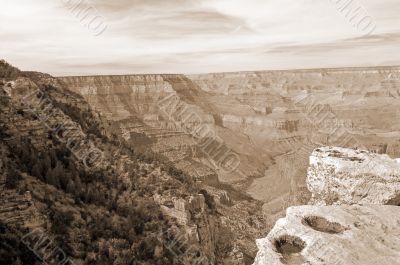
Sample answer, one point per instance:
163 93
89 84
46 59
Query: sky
85 37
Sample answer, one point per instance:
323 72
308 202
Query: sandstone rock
333 235
347 176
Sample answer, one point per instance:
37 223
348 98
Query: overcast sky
196 36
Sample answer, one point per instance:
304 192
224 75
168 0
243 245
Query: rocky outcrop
197 226
348 176
19 209
333 235
347 223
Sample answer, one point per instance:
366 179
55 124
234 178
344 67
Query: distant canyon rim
271 120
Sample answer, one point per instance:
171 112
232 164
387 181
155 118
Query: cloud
180 24
124 5
376 40
150 36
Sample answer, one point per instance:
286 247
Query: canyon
213 160
270 121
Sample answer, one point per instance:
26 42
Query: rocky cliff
347 176
333 235
357 229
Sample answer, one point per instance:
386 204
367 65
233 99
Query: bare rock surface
348 176
333 235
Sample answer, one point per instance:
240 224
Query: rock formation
347 176
333 235
356 228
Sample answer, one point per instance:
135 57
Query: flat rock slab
333 235
348 176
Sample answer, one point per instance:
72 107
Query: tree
37 171
25 155
64 179
12 178
33 160
58 173
52 179
78 185
46 162
71 187
53 158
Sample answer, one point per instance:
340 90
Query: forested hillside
98 207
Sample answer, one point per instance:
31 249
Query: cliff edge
347 222
348 176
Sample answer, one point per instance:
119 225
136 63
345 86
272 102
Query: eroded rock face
347 176
333 235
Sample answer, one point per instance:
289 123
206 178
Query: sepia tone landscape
219 184
193 155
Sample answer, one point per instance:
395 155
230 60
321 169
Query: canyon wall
262 119
250 131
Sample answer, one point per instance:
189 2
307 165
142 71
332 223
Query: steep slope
149 105
147 111
95 194
265 122
107 187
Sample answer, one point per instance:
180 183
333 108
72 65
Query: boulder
333 235
349 176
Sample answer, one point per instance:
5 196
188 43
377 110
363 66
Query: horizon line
347 68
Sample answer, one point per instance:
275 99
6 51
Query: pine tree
71 187
58 173
26 155
46 162
33 160
64 179
53 158
78 185
37 171
49 176
12 178
52 179
72 168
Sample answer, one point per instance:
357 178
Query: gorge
212 160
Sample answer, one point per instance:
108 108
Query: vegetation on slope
97 216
